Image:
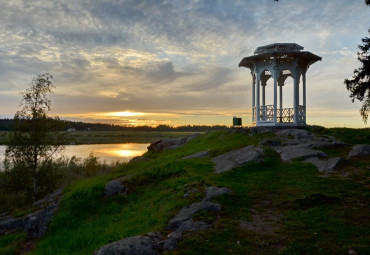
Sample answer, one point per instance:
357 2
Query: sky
175 62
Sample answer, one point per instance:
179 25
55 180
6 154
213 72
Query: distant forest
6 124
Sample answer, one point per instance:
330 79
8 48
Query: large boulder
166 144
289 152
116 187
148 244
185 214
170 143
236 158
325 166
213 191
360 150
37 222
137 159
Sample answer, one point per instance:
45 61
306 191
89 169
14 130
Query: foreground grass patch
87 220
11 243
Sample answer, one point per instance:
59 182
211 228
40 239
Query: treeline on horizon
6 125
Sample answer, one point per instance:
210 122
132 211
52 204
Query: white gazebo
279 61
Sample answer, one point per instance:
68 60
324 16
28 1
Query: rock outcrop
170 143
166 144
137 159
298 143
200 154
152 243
296 133
36 223
116 187
360 150
287 153
148 244
236 158
183 221
325 166
213 191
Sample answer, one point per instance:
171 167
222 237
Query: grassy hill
296 210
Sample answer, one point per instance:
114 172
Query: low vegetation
307 212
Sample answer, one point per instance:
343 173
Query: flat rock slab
187 212
200 154
213 191
236 158
148 244
360 150
296 133
325 166
290 152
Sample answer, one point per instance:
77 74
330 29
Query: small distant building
237 122
71 130
279 61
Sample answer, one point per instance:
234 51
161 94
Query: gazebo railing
286 115
266 113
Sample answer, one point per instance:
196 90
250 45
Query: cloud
170 56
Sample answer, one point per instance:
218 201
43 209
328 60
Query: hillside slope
274 207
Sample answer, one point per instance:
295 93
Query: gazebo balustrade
284 115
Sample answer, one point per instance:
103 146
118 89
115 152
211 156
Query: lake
109 153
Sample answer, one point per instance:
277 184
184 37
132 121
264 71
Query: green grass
12 243
347 135
86 220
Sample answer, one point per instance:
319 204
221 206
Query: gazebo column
253 95
281 101
258 98
274 74
296 96
263 85
304 94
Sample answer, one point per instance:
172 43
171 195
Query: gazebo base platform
272 124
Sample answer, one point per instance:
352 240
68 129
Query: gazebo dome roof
284 53
278 47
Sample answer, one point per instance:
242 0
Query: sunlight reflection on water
109 153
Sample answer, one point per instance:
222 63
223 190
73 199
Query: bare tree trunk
35 165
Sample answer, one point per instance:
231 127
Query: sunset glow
123 114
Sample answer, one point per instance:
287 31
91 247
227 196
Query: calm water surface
108 152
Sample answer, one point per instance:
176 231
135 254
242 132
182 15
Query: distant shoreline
113 137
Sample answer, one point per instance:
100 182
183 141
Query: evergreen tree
359 84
